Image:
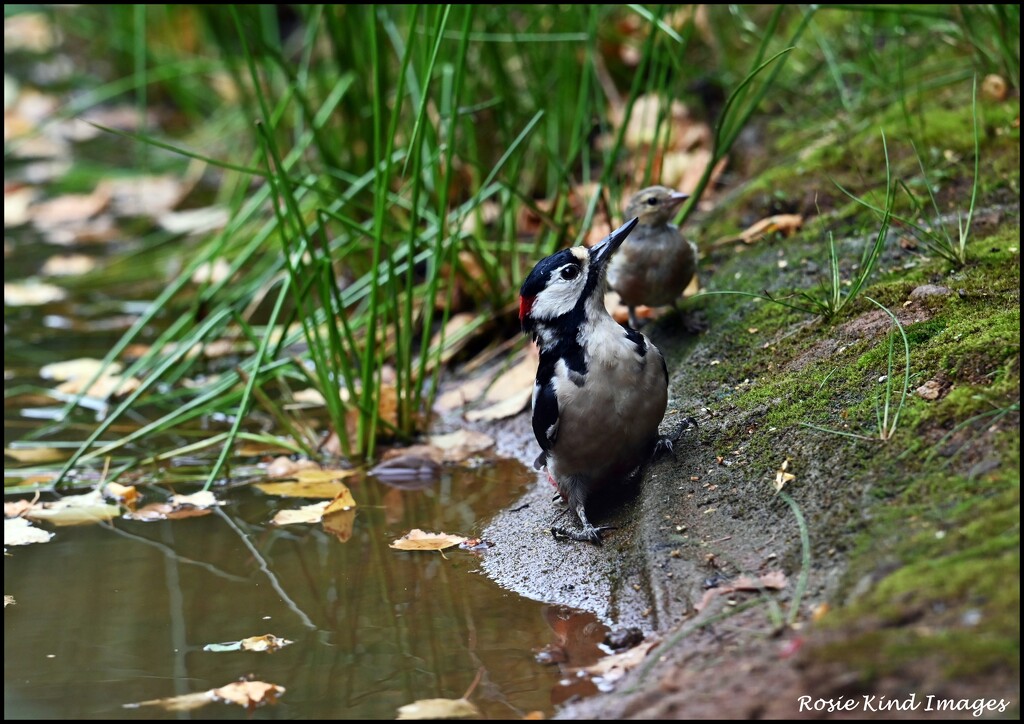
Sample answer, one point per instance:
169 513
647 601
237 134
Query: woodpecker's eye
652 201
570 272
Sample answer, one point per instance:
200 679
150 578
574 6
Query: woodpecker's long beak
600 253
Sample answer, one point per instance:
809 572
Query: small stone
930 290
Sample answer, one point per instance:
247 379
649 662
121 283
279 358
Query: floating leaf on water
34 454
282 467
20 532
340 524
438 709
71 369
265 643
75 510
68 265
202 499
418 540
247 694
30 293
313 513
126 494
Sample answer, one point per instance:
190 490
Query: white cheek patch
559 296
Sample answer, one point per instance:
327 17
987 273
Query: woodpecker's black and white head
564 294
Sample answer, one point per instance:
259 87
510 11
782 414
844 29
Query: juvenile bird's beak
676 198
600 253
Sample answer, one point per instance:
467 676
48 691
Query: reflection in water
576 644
109 615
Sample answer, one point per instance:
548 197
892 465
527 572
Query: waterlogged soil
898 559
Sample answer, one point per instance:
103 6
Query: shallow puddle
110 615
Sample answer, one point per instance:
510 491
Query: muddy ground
886 572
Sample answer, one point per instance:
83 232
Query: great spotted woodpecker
601 389
657 262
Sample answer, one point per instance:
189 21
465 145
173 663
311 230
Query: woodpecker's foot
664 446
589 534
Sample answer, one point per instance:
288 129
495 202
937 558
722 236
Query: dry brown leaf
74 510
35 454
439 709
70 208
281 467
126 494
30 32
18 508
68 265
785 224
772 580
461 444
247 694
194 221
212 272
309 396
31 293
76 368
147 195
267 643
614 667
500 410
459 396
202 499
313 513
101 388
20 532
185 702
418 540
16 203
782 476
340 524
514 380
328 489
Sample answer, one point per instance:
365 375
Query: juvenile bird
657 262
601 388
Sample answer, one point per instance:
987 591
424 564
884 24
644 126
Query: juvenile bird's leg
634 321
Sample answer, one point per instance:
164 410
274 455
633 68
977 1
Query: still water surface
107 615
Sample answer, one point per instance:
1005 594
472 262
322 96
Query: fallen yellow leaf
418 540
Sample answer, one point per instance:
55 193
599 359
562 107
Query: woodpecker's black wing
545 413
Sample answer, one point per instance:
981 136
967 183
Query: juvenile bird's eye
570 272
652 201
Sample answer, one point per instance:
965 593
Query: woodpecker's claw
589 534
662 446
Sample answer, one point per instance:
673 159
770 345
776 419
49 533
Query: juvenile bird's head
655 205
567 288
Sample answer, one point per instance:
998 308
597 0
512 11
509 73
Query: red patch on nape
525 305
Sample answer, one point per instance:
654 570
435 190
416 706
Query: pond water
112 614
